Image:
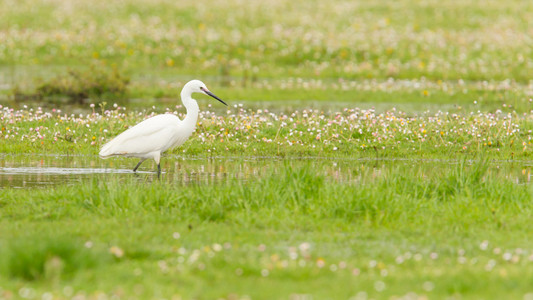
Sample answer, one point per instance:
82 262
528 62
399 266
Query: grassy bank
308 132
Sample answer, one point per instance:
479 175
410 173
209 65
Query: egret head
196 86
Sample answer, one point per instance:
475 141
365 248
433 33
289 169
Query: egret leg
137 166
157 158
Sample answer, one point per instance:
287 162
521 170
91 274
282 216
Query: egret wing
156 133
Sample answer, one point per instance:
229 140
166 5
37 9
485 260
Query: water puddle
27 171
30 171
60 171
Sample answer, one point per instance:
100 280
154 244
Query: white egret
153 136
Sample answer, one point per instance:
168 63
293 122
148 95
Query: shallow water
30 171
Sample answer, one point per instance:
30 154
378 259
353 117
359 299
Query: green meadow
370 150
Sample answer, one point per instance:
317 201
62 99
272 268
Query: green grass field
370 150
464 233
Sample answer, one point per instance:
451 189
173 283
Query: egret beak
207 92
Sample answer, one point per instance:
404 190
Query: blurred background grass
274 46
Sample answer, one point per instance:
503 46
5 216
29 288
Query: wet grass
289 231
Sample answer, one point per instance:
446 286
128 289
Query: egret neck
192 108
